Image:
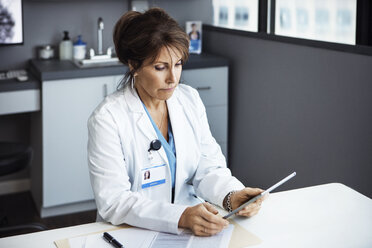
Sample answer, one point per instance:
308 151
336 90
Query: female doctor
155 126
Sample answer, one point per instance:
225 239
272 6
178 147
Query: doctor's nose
172 76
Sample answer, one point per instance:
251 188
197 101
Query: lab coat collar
139 115
142 121
133 100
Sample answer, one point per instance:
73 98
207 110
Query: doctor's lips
168 89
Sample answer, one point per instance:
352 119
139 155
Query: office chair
13 158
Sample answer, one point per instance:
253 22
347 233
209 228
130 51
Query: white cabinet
66 107
19 101
212 85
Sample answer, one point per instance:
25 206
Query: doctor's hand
242 196
203 220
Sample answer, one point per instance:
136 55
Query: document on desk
129 237
187 240
141 238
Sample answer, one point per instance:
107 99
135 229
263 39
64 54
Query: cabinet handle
105 90
204 88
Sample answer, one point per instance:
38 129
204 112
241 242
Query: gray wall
187 10
297 108
45 21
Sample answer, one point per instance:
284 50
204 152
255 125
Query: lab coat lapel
178 120
143 122
139 115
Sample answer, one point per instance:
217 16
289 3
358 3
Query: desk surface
330 215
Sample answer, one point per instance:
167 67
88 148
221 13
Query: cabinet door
66 107
217 119
212 85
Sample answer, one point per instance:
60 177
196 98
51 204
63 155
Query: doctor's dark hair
140 36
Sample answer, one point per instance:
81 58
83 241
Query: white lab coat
120 133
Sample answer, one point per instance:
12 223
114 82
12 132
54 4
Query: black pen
197 197
112 241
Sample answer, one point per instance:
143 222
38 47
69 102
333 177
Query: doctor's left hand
203 220
242 196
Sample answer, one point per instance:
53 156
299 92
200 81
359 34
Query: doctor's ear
133 67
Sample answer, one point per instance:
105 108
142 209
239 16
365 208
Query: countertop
55 69
45 70
15 85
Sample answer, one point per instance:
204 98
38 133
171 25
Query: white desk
330 215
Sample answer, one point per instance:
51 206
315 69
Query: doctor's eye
159 68
180 62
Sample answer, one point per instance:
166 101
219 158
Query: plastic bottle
65 47
79 49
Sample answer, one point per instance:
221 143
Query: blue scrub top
169 147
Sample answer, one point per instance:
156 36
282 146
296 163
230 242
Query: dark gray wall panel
187 10
45 21
297 108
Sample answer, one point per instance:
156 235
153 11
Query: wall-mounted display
11 22
236 14
331 20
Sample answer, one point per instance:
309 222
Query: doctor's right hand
203 220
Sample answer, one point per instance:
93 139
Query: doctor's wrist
182 223
227 202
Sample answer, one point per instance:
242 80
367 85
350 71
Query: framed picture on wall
194 31
11 22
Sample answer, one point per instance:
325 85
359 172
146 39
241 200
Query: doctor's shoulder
111 104
190 97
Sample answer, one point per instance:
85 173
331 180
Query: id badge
152 176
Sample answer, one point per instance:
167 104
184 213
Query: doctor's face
157 80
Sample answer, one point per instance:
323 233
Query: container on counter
80 49
65 47
46 52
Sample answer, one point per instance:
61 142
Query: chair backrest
14 157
